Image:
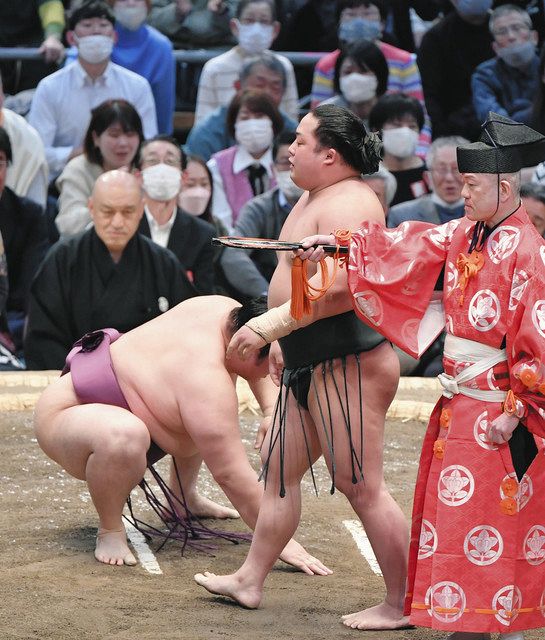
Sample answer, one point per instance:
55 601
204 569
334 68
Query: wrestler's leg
278 517
186 473
105 446
382 518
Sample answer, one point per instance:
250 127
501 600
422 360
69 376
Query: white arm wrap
275 323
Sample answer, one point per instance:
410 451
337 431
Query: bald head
116 179
116 207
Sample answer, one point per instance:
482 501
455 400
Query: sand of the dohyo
52 588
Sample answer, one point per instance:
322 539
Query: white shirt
217 83
160 233
221 209
62 103
28 173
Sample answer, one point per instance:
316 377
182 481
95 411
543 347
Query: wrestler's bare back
161 367
342 205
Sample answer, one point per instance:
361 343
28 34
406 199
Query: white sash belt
483 358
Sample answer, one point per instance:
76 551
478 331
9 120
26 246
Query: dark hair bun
371 152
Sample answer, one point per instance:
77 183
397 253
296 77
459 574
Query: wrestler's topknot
340 129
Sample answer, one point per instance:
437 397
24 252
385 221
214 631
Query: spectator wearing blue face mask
448 55
507 83
365 20
255 27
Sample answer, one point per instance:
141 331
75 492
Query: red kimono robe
477 556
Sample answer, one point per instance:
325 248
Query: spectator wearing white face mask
255 27
361 77
142 49
507 83
161 162
61 107
366 20
400 118
245 170
248 273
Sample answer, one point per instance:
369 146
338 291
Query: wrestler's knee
231 476
365 492
127 438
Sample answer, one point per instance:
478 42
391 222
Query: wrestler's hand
244 343
276 363
311 252
501 429
264 426
299 558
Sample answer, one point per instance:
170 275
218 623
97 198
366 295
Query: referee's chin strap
302 291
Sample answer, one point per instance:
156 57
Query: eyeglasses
3 164
515 29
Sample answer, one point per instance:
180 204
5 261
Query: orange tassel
300 304
468 267
302 292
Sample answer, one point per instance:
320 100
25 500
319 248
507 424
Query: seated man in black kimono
108 276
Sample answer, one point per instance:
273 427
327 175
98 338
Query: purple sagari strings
190 531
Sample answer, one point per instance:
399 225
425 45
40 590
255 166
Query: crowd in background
77 254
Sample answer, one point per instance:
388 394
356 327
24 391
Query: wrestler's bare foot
230 586
111 548
298 557
205 508
381 616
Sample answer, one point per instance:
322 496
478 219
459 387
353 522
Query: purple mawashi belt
90 364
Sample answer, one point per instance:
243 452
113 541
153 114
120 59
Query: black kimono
190 240
24 229
79 288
